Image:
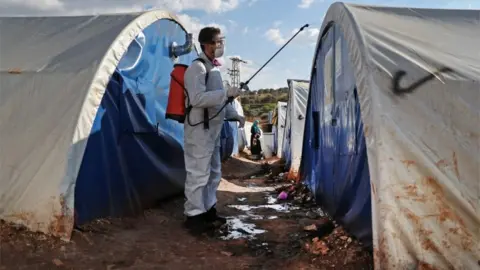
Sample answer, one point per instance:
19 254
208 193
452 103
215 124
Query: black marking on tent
399 91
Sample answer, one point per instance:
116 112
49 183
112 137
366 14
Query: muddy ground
263 233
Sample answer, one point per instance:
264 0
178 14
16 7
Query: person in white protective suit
202 141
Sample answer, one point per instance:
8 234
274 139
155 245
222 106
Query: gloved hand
241 121
234 92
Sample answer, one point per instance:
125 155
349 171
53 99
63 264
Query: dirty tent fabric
230 136
82 125
294 125
398 166
279 127
238 134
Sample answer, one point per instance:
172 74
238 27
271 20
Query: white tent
240 139
54 75
279 126
417 74
294 125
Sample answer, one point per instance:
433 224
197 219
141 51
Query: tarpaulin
294 125
392 130
130 161
57 115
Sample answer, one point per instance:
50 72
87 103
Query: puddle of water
284 208
239 229
271 199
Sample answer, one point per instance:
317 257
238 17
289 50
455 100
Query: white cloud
274 35
245 30
305 3
88 7
306 37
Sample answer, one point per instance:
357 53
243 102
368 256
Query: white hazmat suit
202 146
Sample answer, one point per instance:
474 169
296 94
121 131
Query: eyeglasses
219 41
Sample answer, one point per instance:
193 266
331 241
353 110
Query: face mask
219 51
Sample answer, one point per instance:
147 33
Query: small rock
57 262
226 253
63 249
310 228
343 237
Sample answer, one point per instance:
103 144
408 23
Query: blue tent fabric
134 156
234 127
334 159
227 140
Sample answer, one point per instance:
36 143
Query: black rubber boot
213 217
198 225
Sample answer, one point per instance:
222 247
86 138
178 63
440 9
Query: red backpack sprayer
176 109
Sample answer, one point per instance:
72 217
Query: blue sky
254 29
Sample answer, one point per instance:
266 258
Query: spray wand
245 84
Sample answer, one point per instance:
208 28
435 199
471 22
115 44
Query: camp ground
377 152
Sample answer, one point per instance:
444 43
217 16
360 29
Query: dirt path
262 234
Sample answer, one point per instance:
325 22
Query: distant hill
260 102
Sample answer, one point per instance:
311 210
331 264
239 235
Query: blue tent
82 117
389 150
134 154
334 159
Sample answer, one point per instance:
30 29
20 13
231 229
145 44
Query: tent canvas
82 125
279 127
391 146
294 125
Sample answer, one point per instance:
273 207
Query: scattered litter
239 229
57 262
283 195
241 199
310 228
272 217
311 215
321 228
317 247
226 253
281 174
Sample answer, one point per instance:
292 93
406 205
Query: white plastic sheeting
280 126
267 144
242 141
295 124
53 75
423 145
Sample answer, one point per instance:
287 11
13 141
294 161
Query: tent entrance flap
334 161
134 156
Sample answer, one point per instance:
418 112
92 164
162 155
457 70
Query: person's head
211 42
255 122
